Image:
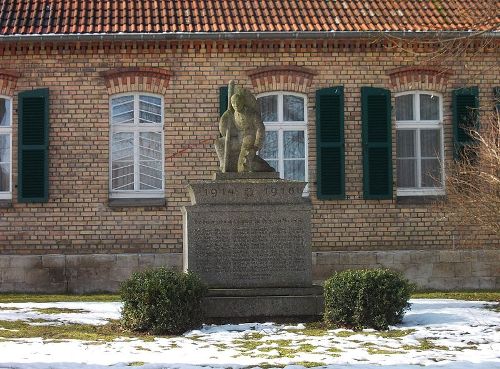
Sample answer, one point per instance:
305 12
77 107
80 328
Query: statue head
243 100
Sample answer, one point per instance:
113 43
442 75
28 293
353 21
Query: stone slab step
247 305
265 291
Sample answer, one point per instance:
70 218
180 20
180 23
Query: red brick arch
8 82
154 80
281 78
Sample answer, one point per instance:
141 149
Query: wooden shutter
465 103
222 100
33 173
330 143
377 143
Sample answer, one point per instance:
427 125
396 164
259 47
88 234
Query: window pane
122 154
404 107
4 112
150 175
4 148
4 177
153 100
405 143
149 109
294 170
430 143
122 110
407 173
269 108
150 146
293 108
122 146
150 161
431 173
293 144
429 107
270 148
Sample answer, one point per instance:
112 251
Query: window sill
419 200
135 202
5 203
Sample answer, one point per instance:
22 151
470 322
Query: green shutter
222 100
33 172
465 104
330 143
377 143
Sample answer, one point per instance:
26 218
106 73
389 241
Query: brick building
110 108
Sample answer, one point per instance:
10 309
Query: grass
425 345
60 311
311 329
246 345
495 307
459 295
84 332
309 364
379 351
23 297
282 347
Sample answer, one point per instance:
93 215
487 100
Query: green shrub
162 301
360 299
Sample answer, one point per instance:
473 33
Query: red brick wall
77 218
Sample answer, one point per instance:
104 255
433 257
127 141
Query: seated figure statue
242 133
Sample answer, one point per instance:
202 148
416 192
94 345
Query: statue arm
259 134
224 124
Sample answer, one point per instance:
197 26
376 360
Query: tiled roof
40 17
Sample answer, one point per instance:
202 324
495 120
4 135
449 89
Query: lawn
50 331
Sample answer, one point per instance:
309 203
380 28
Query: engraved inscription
250 192
241 248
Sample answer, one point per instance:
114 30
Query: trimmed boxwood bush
359 299
162 301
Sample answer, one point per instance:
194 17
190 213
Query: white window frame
7 195
281 125
417 125
136 127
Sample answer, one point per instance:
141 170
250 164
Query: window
419 128
136 146
285 145
5 148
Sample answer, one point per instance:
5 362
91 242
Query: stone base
264 304
252 233
428 269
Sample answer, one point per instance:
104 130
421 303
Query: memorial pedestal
248 237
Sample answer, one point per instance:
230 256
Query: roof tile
38 17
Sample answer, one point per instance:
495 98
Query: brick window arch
281 78
152 80
423 78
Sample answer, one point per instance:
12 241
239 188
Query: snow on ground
435 334
96 313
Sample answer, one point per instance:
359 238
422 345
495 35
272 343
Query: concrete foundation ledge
428 269
55 273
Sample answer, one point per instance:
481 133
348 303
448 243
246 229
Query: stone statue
242 133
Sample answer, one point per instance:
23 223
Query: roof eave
242 35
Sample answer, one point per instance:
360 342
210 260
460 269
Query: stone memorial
247 232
